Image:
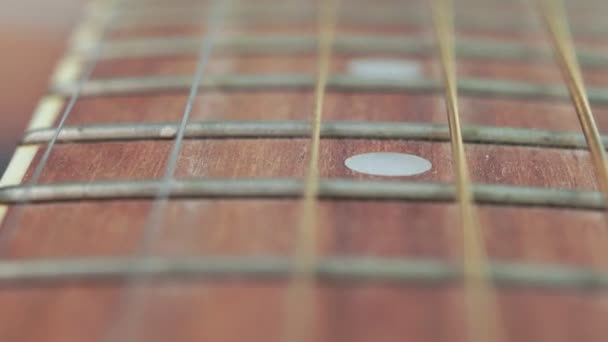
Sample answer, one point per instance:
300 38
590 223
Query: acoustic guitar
331 170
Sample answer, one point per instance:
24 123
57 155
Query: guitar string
12 222
481 314
299 312
125 327
153 223
556 23
559 32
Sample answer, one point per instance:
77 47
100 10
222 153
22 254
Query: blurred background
33 36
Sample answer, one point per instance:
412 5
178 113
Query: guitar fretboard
201 145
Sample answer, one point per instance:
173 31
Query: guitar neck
314 171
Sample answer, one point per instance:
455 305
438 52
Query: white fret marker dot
385 68
388 164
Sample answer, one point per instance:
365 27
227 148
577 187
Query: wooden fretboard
185 180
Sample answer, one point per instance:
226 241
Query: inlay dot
388 164
385 68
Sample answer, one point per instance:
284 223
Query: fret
344 44
234 82
301 129
410 271
334 188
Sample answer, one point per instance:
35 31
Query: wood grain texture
237 310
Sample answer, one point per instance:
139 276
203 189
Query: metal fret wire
481 312
399 271
471 86
333 189
512 136
300 301
12 222
153 224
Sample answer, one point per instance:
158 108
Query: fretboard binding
337 82
398 271
334 189
353 44
301 129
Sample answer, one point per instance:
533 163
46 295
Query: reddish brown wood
254 311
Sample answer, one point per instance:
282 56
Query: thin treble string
13 221
153 224
481 307
557 25
300 293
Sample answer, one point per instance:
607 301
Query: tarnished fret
472 87
345 44
335 188
301 129
402 271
